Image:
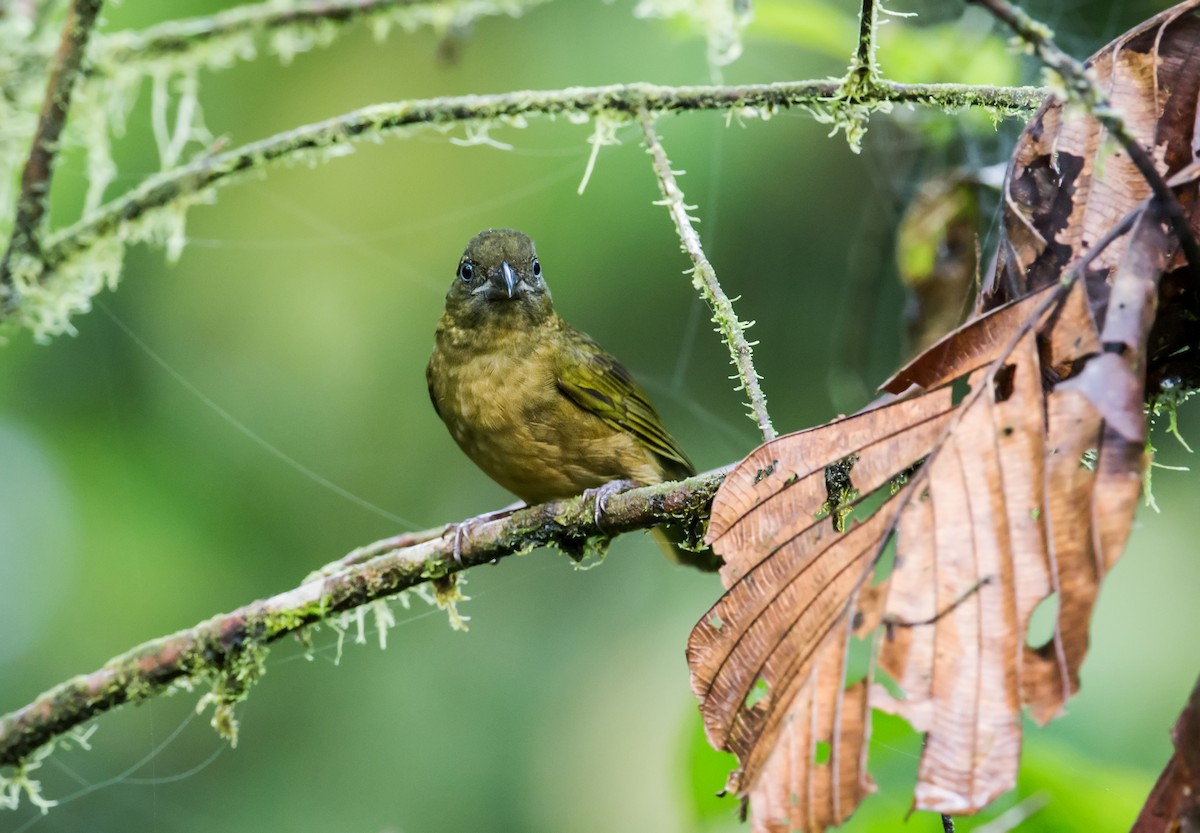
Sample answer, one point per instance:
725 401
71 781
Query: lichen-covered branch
368 122
227 650
176 38
155 209
1099 104
35 178
704 278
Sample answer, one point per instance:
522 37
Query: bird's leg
601 494
463 528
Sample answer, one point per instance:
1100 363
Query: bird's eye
466 271
537 268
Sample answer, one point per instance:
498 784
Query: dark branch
205 650
864 54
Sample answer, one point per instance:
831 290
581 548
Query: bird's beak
503 284
510 278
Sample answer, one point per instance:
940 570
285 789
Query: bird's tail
674 543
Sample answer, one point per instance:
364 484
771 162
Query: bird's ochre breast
502 405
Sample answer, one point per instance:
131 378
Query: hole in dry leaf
821 753
1042 622
1088 459
845 499
716 621
885 681
867 505
858 660
959 389
1002 382
886 564
757 694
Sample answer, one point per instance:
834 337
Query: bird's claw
460 533
462 529
600 496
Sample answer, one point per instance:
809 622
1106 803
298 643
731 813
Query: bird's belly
528 437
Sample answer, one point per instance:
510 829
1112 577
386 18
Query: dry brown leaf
1019 490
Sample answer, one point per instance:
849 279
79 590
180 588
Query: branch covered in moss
175 38
227 650
35 178
704 278
190 183
626 99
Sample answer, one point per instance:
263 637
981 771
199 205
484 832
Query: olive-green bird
538 405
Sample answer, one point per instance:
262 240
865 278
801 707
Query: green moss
234 676
840 492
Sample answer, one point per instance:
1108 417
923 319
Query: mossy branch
704 278
368 122
35 178
125 219
228 650
176 38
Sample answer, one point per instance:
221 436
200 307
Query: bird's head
499 279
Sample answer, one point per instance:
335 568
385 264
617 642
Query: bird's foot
462 529
601 494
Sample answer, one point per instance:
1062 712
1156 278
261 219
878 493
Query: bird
536 404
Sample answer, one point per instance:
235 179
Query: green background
134 499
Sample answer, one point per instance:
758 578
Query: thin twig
211 647
704 278
1098 103
35 178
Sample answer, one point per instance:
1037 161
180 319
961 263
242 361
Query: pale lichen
447 593
604 132
1171 395
12 786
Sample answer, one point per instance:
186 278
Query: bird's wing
599 384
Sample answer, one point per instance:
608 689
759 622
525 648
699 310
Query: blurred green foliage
303 311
